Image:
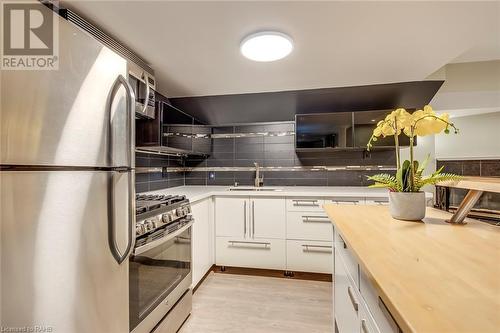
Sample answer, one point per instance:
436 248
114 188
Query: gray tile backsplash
269 151
161 179
279 151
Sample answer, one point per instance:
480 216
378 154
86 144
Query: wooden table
433 276
476 187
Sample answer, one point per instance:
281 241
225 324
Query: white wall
479 138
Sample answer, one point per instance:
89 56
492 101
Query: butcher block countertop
433 276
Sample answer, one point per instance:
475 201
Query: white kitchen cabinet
346 299
308 226
366 321
262 253
309 256
203 247
377 307
267 218
357 306
232 216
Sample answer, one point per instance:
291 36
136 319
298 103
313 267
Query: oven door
156 269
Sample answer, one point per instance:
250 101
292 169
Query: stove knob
159 221
180 212
166 218
138 230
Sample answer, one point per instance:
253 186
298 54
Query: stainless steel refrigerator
67 190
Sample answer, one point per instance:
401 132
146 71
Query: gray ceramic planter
408 206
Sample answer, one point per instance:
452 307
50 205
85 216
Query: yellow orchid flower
387 129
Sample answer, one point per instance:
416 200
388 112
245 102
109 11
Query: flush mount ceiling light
266 46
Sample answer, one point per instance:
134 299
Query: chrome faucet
259 181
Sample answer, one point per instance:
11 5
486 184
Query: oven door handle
141 249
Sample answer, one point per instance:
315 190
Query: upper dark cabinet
324 130
364 124
340 130
171 132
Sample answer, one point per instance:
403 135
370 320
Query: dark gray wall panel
284 105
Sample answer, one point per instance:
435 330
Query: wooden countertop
433 276
487 184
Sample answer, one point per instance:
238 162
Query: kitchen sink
254 189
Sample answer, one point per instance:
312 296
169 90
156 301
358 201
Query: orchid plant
409 175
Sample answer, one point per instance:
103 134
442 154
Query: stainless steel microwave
144 86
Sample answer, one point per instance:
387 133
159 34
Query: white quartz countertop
196 193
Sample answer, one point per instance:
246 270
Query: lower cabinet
357 307
309 256
254 253
203 239
346 299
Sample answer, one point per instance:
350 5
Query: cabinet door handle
245 218
266 245
354 202
253 219
326 248
364 328
315 219
305 203
352 298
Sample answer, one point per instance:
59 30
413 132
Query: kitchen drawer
366 322
304 204
350 261
308 225
346 299
309 256
377 308
262 253
345 201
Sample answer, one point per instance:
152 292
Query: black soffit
284 105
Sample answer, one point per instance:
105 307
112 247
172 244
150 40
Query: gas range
160 272
158 215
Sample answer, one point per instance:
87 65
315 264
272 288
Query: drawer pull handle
315 219
265 244
305 203
325 247
364 329
381 202
354 202
387 314
355 304
245 219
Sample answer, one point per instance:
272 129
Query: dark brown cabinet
172 132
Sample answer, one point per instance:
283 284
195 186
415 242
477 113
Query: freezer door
57 267
61 117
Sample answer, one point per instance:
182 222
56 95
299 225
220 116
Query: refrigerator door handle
130 100
113 246
119 257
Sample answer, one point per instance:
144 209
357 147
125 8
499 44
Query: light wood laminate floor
254 304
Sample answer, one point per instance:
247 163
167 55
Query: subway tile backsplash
229 155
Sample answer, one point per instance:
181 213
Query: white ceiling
194 46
